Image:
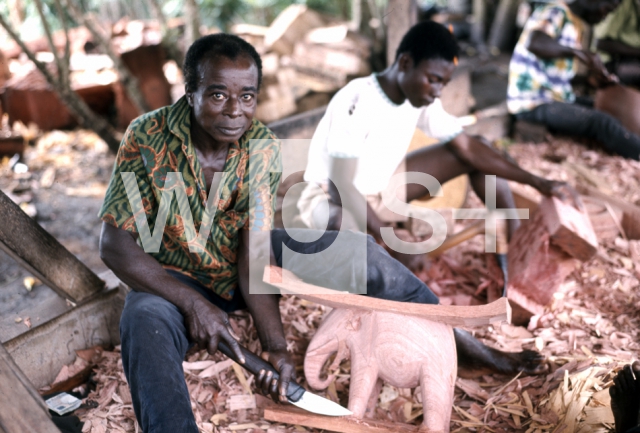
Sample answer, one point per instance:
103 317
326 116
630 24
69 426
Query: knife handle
254 364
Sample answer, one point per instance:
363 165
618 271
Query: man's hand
267 385
596 67
207 325
563 191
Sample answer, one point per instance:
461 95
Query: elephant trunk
317 355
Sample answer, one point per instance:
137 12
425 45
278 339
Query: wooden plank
42 255
295 416
631 213
569 228
454 315
21 408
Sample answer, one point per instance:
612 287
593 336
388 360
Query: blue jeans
155 340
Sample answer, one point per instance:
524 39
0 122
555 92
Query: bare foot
476 359
625 397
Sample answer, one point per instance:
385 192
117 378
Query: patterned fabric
159 143
623 24
534 81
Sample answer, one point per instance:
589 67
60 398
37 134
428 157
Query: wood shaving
587 333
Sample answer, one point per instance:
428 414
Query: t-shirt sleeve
549 20
347 126
435 122
128 173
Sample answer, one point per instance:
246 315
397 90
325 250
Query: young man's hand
207 325
563 191
596 67
267 385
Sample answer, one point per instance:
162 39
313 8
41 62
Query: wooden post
21 407
504 25
40 253
401 15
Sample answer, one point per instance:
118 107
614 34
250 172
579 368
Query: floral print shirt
158 151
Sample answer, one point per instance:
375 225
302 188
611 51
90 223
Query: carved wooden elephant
403 351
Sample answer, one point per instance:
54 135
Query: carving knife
296 394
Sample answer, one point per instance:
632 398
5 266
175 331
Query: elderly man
183 288
543 65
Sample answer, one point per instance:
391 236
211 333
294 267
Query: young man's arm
254 250
342 172
206 323
485 159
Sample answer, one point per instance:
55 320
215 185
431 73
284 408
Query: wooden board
569 229
42 255
21 407
295 416
631 213
454 315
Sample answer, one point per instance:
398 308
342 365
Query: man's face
595 11
225 101
423 83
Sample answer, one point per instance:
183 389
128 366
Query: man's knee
145 313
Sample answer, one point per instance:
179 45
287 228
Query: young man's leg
387 278
440 162
581 121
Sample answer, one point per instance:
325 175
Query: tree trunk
169 38
503 26
192 23
401 15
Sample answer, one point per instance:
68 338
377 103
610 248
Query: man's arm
615 47
545 47
253 251
206 323
483 158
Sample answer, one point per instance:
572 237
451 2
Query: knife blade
296 394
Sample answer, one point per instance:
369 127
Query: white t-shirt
362 122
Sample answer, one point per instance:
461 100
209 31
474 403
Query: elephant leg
373 400
437 385
364 376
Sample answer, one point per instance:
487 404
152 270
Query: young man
543 65
618 42
364 136
181 293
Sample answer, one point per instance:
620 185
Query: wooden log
605 219
537 268
295 416
569 228
454 315
21 407
42 255
290 26
630 212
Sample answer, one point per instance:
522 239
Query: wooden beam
41 254
295 416
454 315
21 407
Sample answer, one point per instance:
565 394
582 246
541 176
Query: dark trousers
583 121
155 341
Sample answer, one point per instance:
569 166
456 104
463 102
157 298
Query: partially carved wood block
401 350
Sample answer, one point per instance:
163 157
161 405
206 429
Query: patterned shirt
623 24
159 143
534 81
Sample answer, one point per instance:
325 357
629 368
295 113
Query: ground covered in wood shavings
588 332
